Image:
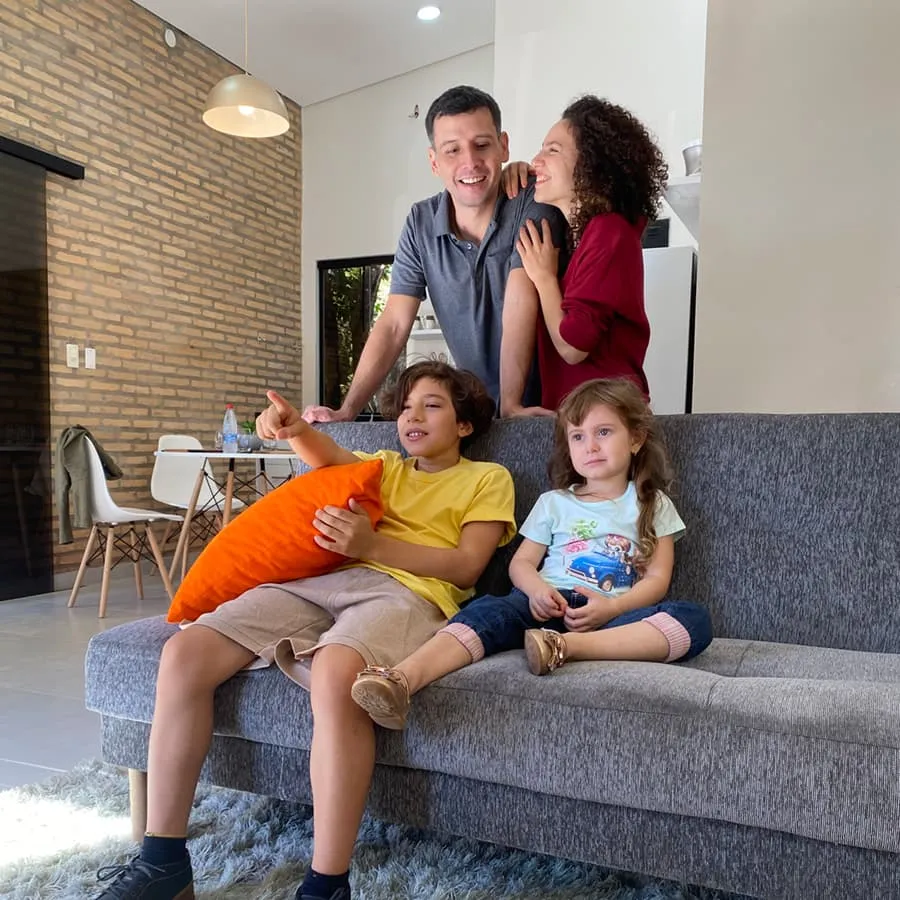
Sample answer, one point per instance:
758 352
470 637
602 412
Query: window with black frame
352 295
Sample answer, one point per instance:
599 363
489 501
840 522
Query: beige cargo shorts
360 608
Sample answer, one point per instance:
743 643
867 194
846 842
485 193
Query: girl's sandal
545 650
384 694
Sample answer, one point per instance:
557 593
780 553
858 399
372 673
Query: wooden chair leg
173 567
166 535
185 533
137 798
178 566
162 544
107 566
229 493
184 557
157 555
136 559
83 567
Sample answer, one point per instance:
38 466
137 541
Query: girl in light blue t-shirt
592 571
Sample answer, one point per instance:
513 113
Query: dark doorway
26 550
352 294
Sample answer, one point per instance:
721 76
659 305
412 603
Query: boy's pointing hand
280 421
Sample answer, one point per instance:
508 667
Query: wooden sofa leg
137 796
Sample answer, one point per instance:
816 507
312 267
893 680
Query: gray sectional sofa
769 765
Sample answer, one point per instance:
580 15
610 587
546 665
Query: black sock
322 887
160 851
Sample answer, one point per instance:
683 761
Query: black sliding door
26 554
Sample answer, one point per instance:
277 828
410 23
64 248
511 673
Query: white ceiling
311 50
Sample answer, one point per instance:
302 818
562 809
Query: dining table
256 485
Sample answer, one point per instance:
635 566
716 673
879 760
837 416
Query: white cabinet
669 277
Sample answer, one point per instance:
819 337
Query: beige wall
647 55
178 256
799 288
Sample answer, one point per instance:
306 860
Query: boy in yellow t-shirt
444 516
430 509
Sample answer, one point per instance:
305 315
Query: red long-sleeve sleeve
590 289
603 311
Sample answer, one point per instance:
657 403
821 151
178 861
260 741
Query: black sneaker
139 880
342 893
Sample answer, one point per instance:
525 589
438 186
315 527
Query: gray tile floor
44 727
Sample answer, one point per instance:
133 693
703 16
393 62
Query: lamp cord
246 42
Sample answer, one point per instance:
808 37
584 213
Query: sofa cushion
767 735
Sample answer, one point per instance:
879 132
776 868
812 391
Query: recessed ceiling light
428 13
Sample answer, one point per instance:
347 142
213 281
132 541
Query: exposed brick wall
178 256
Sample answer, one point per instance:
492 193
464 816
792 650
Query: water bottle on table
229 430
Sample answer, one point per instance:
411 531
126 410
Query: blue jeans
500 623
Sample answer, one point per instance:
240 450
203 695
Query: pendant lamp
244 106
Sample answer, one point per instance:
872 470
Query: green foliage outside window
353 297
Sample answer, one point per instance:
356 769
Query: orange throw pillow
272 540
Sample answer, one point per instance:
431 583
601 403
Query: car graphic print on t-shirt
605 563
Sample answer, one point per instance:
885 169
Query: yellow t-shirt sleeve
379 454
494 501
390 458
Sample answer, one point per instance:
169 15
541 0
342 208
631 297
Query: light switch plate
90 358
72 356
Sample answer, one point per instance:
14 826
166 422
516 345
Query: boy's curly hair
619 169
470 398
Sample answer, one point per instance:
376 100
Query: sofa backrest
793 525
793 521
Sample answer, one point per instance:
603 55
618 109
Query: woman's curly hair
619 168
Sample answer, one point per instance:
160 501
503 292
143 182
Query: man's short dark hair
458 100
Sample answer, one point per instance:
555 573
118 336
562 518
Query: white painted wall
798 304
647 55
364 165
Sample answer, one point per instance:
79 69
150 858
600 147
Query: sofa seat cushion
762 659
795 739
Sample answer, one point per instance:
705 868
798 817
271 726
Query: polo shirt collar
442 216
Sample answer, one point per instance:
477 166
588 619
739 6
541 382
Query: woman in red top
602 169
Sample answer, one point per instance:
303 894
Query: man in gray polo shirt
460 244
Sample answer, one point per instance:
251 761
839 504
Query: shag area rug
56 834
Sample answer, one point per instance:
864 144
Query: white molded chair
173 481
106 515
174 477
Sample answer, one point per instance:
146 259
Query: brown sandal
384 694
545 650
